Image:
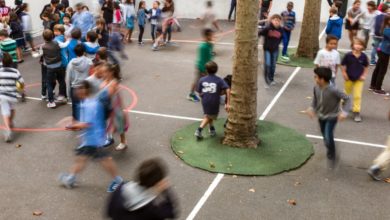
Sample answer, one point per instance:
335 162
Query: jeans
53 75
168 33
233 5
366 35
141 33
153 28
286 40
75 104
327 129
380 71
356 89
375 45
270 59
43 80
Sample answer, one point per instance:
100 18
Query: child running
329 56
326 106
205 54
210 88
355 70
9 78
93 124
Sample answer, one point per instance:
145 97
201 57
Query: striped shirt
8 78
9 45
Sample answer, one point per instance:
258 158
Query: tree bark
308 41
241 127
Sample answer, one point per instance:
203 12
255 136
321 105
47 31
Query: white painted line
349 141
165 115
322 34
206 195
275 99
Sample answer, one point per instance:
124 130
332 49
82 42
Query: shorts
213 117
28 37
355 26
92 152
198 74
20 42
6 107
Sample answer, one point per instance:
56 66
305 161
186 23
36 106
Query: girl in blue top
141 17
383 60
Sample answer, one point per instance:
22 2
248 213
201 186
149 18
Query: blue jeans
327 129
233 5
270 59
375 45
75 104
286 40
153 28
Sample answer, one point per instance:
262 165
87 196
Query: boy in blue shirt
76 36
93 125
91 46
210 88
335 24
288 17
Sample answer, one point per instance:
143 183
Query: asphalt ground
161 80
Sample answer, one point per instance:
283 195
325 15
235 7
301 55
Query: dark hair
356 2
384 25
211 67
92 36
228 80
4 33
207 32
102 53
324 73
150 172
24 6
330 38
209 4
338 4
115 70
140 4
13 16
116 5
60 28
67 16
372 4
60 7
7 60
99 63
48 35
79 50
290 4
54 2
76 33
84 85
385 7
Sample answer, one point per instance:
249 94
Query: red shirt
4 11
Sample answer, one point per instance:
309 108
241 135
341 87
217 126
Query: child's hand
345 76
341 117
362 78
227 107
310 113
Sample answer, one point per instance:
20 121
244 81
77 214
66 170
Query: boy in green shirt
205 54
8 45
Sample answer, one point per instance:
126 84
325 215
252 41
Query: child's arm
311 110
63 44
344 72
227 105
346 104
365 73
77 126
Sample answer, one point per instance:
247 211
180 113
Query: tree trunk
241 127
308 41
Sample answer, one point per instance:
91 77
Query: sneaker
67 180
8 136
109 142
273 83
198 135
371 88
61 98
285 58
374 172
120 147
141 43
372 63
213 132
357 117
155 48
51 105
113 186
193 97
381 92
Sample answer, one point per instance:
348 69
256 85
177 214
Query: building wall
184 8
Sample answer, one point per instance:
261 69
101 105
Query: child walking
141 17
329 56
205 55
210 88
9 78
17 35
155 17
93 124
272 37
352 21
326 106
354 70
368 18
27 25
289 18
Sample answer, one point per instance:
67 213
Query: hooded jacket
334 26
64 54
91 49
77 71
134 202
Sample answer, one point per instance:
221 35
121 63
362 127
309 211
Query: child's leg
43 80
204 122
274 59
123 138
267 66
109 165
79 165
285 42
61 81
348 85
129 33
51 77
330 125
357 95
141 33
153 31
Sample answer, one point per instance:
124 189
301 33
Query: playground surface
155 88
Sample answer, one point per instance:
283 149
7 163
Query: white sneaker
7 136
51 105
120 147
61 99
43 97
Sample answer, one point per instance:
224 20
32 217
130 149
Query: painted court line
349 141
275 99
164 115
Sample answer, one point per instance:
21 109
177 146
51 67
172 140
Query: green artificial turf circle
281 149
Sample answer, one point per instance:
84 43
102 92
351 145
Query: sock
118 179
212 128
200 129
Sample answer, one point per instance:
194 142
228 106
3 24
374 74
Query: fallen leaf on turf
252 190
180 138
212 165
180 152
387 180
309 97
292 202
37 213
18 145
297 184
